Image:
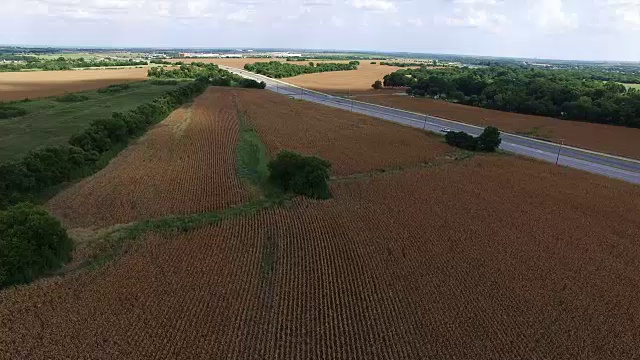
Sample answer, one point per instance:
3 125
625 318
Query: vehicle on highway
445 130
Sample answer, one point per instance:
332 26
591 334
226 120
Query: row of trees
211 72
278 70
63 63
41 169
564 94
402 64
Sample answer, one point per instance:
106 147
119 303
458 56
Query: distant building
231 56
286 55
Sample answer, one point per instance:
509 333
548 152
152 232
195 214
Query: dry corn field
36 84
520 260
352 142
184 165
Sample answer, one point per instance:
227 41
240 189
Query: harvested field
605 138
344 82
515 259
184 165
354 143
37 84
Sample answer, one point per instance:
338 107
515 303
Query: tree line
564 94
62 63
214 75
278 70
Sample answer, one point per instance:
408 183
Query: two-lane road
591 161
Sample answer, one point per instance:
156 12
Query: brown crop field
606 138
36 84
344 82
354 143
184 165
489 258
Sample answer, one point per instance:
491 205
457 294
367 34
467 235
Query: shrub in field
8 112
373 63
377 85
489 140
252 84
163 82
461 140
32 242
114 88
302 175
70 97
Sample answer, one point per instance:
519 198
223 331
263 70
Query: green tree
302 175
32 243
489 140
377 85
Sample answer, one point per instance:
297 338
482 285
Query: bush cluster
43 168
9 112
302 175
71 97
32 243
163 82
114 88
488 141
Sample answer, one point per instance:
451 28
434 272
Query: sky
554 29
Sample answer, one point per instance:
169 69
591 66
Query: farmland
50 122
184 165
599 137
339 83
409 265
422 251
366 144
37 84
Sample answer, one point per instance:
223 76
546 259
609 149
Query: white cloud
551 17
374 5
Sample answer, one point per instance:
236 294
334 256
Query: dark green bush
302 175
461 140
70 97
252 84
32 243
377 85
163 82
489 140
9 112
114 88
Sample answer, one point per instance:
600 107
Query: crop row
409 266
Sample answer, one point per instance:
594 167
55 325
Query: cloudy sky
562 29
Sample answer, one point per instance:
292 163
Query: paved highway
591 161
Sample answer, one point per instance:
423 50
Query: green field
50 122
629 86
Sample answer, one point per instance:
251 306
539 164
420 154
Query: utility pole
559 149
